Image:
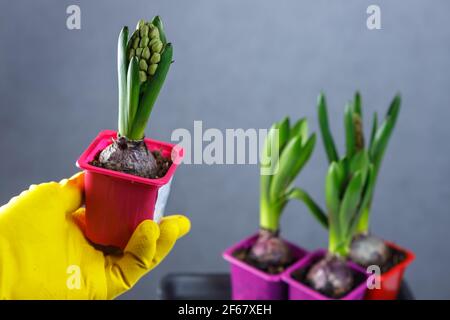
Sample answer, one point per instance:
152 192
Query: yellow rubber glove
44 254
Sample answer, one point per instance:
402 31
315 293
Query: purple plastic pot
300 291
250 283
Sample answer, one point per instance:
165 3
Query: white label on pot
160 205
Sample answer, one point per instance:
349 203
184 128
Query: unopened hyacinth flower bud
146 45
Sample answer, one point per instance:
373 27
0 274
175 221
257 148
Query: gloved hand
44 254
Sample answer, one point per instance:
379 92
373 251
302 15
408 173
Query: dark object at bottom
197 286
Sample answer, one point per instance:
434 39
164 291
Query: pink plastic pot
250 283
116 202
391 280
300 291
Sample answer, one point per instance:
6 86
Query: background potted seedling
258 261
367 249
127 177
328 274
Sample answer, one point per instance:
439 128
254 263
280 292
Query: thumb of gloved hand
147 247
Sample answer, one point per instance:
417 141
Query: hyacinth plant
365 249
287 149
143 62
348 188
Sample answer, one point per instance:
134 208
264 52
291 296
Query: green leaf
303 157
313 207
270 154
327 138
158 23
332 200
270 214
383 134
122 77
289 159
351 202
360 162
151 90
394 108
133 89
269 143
350 138
300 128
374 129
266 156
332 190
341 170
364 206
283 132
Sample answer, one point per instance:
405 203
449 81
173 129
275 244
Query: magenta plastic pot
116 202
300 291
250 283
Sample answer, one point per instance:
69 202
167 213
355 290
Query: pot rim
228 256
91 151
286 276
410 257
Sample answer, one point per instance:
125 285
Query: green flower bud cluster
146 45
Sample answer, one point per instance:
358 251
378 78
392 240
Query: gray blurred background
241 64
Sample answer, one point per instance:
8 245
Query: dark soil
300 276
134 158
395 258
243 254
